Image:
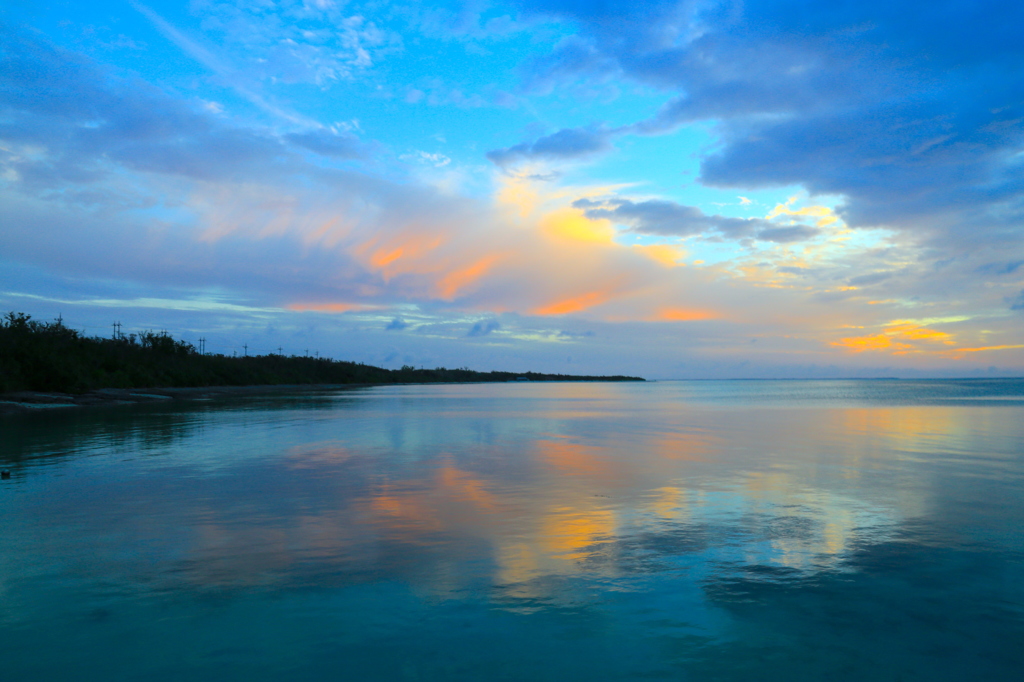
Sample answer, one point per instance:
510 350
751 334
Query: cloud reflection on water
512 498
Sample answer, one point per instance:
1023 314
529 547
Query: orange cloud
858 344
457 280
665 254
686 314
958 353
912 331
984 348
571 224
824 214
382 257
898 338
402 253
575 304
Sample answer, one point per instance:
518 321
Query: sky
695 189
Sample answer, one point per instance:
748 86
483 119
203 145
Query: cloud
280 43
114 178
81 119
396 324
785 235
436 160
869 279
1001 268
108 179
566 144
327 143
669 219
238 79
1018 302
666 218
910 111
484 327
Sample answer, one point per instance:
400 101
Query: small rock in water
5 474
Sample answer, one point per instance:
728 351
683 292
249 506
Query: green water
840 530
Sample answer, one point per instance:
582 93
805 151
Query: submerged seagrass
804 530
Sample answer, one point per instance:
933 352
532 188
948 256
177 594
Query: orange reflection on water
460 485
669 502
689 447
901 428
452 499
404 510
316 455
580 460
571 532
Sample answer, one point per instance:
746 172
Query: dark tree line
49 356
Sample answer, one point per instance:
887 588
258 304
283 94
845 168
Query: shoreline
26 402
22 402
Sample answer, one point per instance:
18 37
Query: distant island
49 356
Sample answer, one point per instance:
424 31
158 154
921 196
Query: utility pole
202 346
245 347
280 351
307 352
117 330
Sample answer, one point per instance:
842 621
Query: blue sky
671 189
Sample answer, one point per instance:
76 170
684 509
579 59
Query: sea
703 530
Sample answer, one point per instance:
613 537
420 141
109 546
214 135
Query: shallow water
763 530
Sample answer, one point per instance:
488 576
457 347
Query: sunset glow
455 184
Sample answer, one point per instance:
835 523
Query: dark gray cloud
327 143
397 324
566 144
76 201
669 219
484 327
869 279
1018 303
784 235
1001 268
87 119
910 110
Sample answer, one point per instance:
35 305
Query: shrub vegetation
49 356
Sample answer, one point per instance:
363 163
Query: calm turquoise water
839 530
